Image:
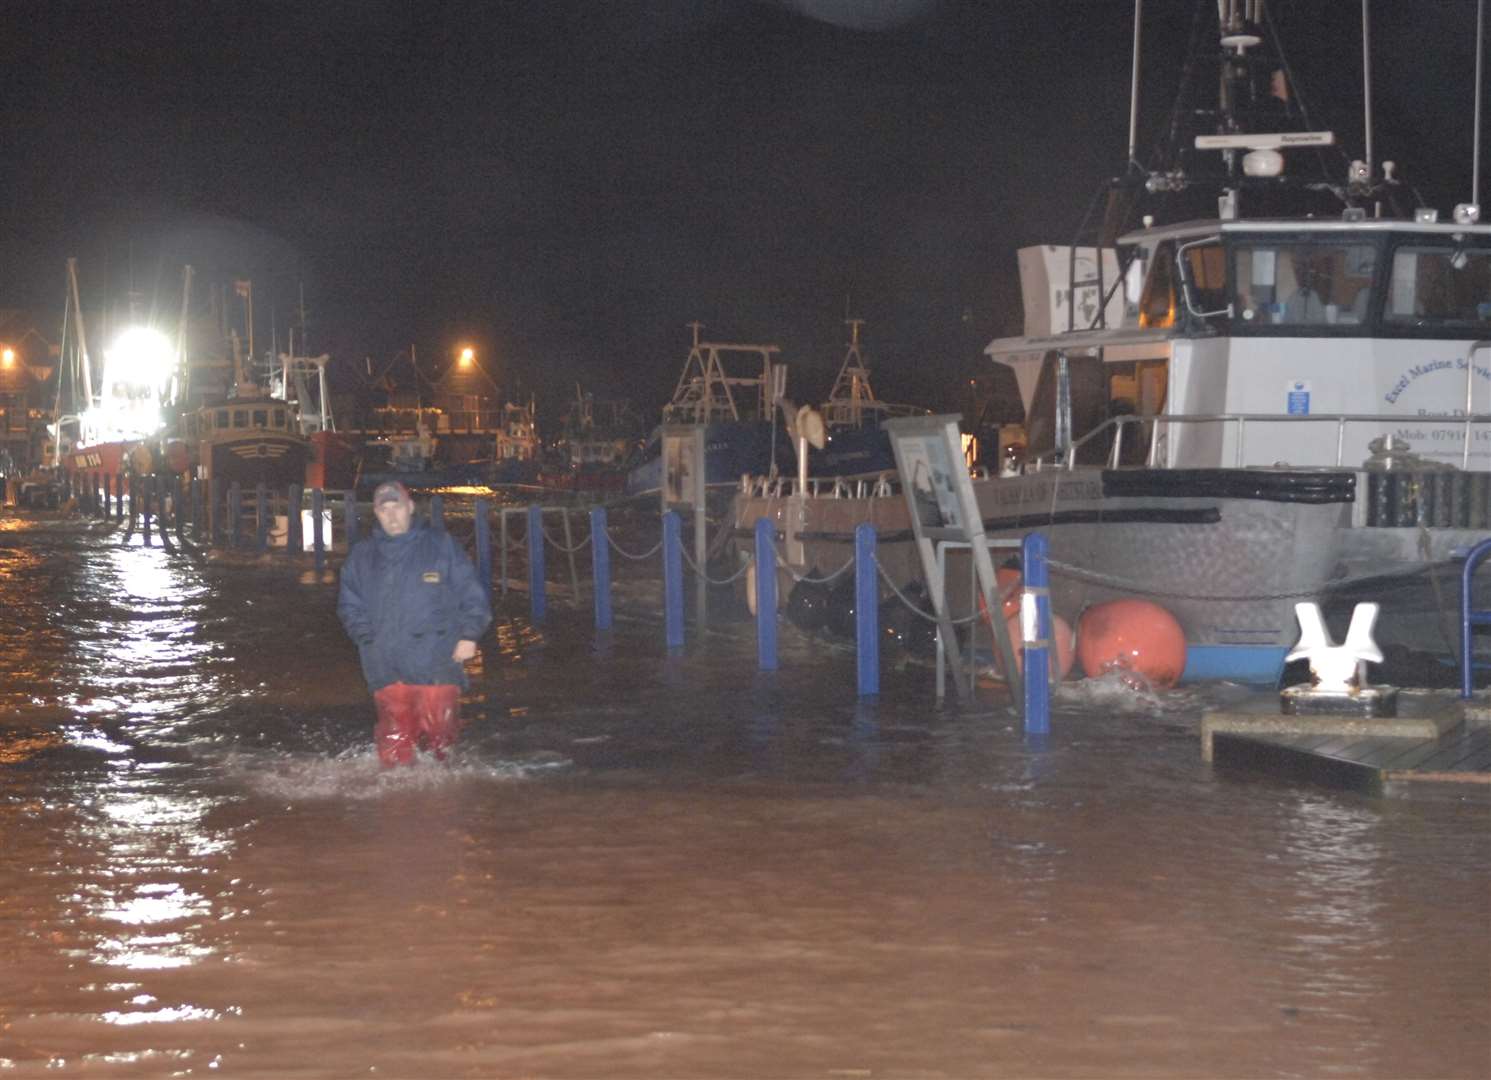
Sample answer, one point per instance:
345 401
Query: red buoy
1132 635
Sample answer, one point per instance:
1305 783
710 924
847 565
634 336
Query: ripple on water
357 773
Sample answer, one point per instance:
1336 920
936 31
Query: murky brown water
652 866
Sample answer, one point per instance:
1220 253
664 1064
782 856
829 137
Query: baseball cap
391 491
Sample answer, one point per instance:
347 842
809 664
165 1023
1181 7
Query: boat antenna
1134 85
1367 80
1475 153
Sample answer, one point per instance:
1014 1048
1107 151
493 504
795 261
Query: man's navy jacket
406 600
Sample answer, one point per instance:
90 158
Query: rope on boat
1092 577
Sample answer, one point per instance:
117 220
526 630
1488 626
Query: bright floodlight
7 357
468 357
140 357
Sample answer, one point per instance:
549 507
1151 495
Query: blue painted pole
261 516
600 567
437 511
766 594
318 536
235 512
1035 631
294 531
481 514
349 517
147 485
866 610
673 579
536 562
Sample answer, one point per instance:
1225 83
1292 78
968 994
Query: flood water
643 865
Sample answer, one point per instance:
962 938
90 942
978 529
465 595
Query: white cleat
1335 667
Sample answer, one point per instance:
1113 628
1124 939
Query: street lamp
468 357
7 357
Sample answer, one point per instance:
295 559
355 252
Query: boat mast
84 364
1475 152
1367 80
183 369
1134 84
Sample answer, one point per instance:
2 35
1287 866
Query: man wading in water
411 601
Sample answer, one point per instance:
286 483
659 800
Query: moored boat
1256 409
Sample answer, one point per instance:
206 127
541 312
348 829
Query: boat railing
820 487
1162 424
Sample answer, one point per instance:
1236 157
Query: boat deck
1434 741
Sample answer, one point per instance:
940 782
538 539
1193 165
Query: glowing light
468 356
7 357
136 370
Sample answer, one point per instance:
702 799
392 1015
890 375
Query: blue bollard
600 567
318 536
437 511
481 512
261 516
673 579
866 610
349 517
536 562
294 531
766 595
235 513
1035 631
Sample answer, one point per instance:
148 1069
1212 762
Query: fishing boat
109 413
517 448
596 443
732 392
248 431
1286 399
855 443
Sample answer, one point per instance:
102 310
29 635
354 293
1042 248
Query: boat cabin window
1206 276
279 418
1304 284
1157 301
222 419
240 418
261 418
1439 286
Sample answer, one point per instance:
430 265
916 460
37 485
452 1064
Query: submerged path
644 865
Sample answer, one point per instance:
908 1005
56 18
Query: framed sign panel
683 467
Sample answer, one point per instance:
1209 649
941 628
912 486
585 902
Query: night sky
567 183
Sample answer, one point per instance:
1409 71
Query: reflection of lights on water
156 904
149 952
162 1016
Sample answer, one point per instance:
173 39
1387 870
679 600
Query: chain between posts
914 609
649 553
567 549
826 579
717 581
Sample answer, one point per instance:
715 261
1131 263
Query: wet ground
644 865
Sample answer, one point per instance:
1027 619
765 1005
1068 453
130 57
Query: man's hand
465 650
